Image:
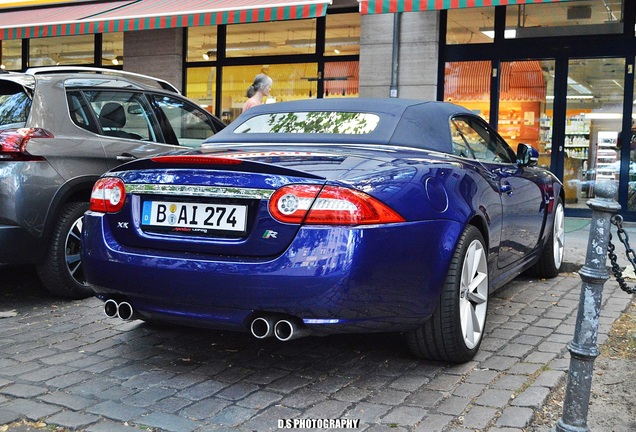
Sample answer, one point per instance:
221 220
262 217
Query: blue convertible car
328 216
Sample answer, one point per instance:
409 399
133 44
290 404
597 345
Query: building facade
556 74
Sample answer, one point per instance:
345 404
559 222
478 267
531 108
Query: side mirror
527 155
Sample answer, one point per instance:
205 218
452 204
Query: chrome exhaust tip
262 327
125 311
110 308
285 330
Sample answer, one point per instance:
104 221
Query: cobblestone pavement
66 364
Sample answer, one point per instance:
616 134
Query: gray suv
60 129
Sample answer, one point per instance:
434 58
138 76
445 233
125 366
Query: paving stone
237 391
31 410
404 416
453 405
368 413
110 426
425 398
327 409
494 398
469 390
389 396
434 423
351 394
202 390
444 382
22 390
116 411
549 378
73 402
73 420
204 408
478 417
533 396
515 417
150 397
168 422
233 416
8 416
260 400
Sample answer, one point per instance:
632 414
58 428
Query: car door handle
126 157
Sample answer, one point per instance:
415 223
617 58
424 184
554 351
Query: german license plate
194 217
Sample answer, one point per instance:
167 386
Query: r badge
269 234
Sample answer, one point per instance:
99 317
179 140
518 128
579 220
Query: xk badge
122 225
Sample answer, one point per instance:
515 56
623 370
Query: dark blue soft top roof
403 122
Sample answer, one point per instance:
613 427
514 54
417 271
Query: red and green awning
130 15
368 7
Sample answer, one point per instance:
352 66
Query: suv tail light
108 195
331 205
13 142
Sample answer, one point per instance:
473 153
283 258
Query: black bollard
583 348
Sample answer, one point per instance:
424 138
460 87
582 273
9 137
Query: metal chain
631 256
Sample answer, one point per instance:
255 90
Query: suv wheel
62 272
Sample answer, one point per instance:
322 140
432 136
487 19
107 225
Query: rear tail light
331 205
108 196
13 142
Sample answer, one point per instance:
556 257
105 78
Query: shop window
526 95
202 44
342 34
470 25
468 84
271 38
594 119
341 79
11 55
291 82
63 50
564 19
113 49
201 86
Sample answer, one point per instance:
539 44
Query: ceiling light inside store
301 43
241 46
572 97
603 116
508 33
579 87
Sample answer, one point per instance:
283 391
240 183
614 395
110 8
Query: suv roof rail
116 72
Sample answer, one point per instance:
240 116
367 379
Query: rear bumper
380 278
17 246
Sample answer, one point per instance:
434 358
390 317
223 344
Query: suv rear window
15 105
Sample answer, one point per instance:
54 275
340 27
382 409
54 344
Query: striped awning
131 15
368 7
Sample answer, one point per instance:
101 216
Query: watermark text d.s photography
318 423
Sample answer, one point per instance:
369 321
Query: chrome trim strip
200 191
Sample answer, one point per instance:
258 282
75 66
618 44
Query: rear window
328 122
15 105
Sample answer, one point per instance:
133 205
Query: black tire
551 259
61 272
449 335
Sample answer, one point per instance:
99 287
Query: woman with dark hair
255 93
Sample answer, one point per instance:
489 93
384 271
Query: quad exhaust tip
122 310
283 329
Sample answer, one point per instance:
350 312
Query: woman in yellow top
260 88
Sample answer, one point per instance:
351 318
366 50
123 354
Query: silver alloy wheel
473 294
558 235
72 248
